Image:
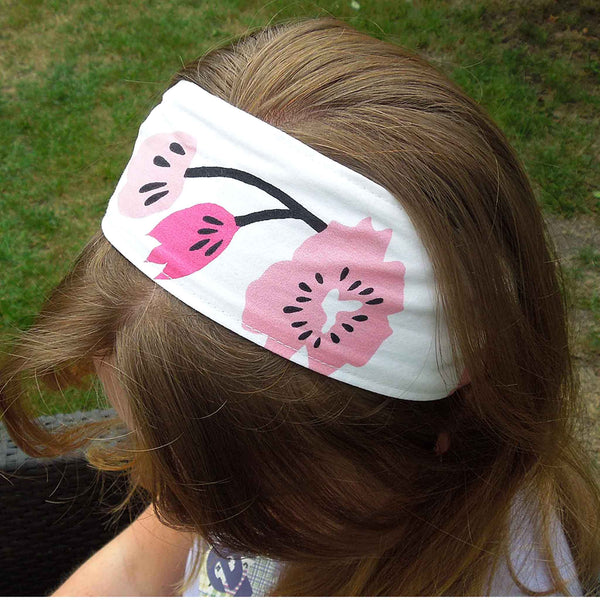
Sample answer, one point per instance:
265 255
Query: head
267 457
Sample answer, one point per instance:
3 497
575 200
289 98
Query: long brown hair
265 457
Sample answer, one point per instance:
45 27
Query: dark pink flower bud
191 238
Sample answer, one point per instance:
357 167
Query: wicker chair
53 513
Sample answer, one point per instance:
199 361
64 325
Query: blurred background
77 77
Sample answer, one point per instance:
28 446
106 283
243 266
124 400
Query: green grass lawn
78 77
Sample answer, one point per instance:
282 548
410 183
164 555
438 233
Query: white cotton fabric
414 362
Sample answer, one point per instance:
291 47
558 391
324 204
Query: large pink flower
191 238
155 175
333 297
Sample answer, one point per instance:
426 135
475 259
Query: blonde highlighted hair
268 458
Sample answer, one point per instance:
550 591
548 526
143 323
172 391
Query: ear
442 444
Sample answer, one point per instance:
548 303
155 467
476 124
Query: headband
282 245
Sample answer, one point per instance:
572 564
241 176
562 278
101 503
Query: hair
261 455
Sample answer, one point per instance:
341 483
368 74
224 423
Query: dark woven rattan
53 513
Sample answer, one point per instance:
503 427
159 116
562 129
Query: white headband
281 245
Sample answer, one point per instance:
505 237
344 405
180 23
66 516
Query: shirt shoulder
223 573
528 562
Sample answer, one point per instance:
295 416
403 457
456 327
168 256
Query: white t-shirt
237 575
527 561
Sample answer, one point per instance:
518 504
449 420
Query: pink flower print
191 238
342 267
155 175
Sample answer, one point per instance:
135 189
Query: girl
324 304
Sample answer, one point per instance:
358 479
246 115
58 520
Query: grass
589 257
78 78
584 277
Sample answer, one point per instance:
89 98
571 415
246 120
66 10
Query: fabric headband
282 245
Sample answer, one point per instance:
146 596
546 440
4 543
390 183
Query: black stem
296 210
264 215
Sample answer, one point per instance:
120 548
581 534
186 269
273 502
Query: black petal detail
161 161
207 231
299 323
155 197
199 245
319 279
348 327
148 187
344 273
366 292
303 299
374 301
213 248
304 335
360 318
304 286
317 343
291 309
354 285
334 338
212 220
176 148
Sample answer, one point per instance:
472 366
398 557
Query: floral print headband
282 245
